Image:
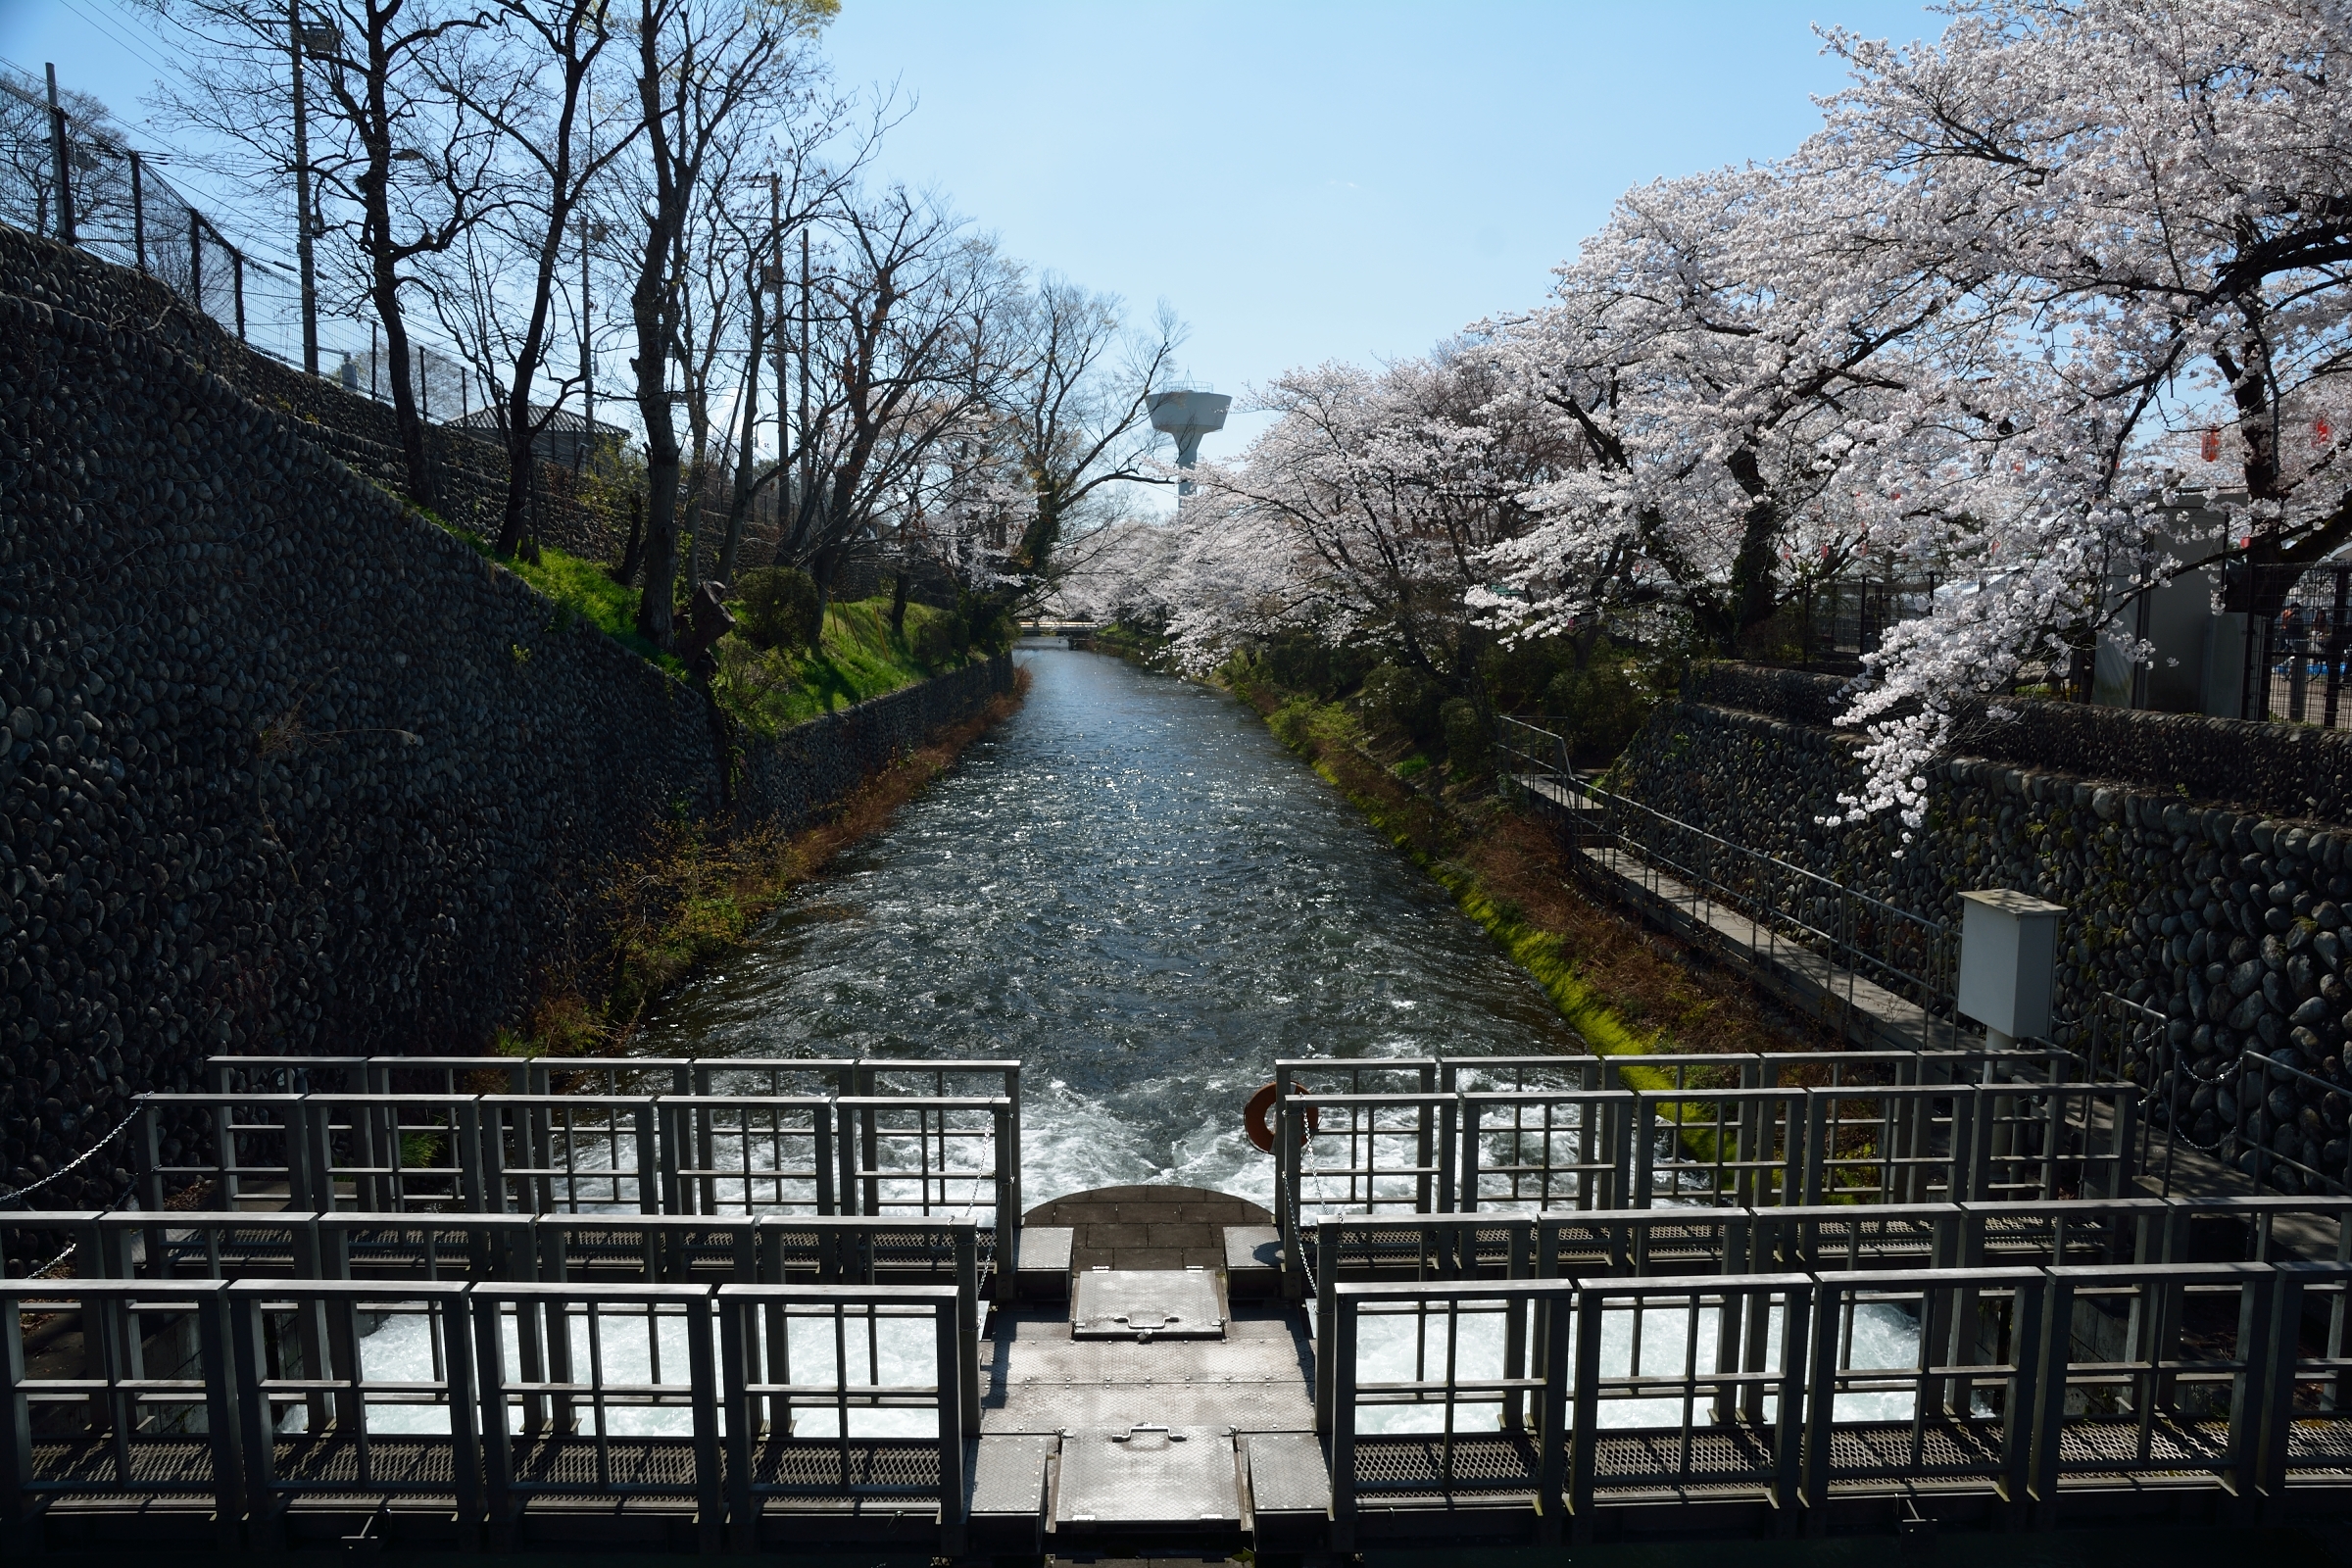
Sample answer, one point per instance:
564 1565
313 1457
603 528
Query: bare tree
905 346
537 93
1077 414
701 65
404 168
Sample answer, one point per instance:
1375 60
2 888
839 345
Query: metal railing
739 1076
1635 1241
1562 1148
791 1361
1794 918
245 1400
1944 1136
577 1153
1781 1393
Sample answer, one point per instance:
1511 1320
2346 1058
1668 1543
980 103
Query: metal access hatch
1115 1303
1166 1478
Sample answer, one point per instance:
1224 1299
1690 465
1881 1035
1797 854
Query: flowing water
1133 887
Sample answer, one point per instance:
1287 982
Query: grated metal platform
1149 1477
1144 1305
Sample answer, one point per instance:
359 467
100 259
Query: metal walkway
1796 970
1746 1309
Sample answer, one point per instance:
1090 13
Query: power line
105 28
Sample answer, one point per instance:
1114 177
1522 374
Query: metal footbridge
705 1305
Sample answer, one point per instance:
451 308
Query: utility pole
64 169
295 42
587 359
775 246
808 447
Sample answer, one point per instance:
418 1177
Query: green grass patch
767 690
859 657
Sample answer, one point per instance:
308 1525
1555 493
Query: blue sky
1302 181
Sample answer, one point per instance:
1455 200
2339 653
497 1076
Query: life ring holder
1261 1106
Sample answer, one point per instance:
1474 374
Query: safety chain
1306 1251
2228 1071
52 1264
69 1167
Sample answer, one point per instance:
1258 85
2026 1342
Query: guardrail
1781 1396
291 1409
1407 1153
1678 863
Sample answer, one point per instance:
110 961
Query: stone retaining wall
288 768
2227 921
470 472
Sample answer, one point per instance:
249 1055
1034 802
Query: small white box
2008 960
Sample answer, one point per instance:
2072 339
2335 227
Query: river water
1131 886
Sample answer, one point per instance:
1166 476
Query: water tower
1188 416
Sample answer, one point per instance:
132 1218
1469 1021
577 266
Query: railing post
196 260
845 1145
967 1312
1287 1122
2253 1381
1645 1151
1585 1428
1514 1324
657 1165
1009 1201
1343 1421
1466 1157
2050 1390
710 1504
953 1354
139 210
1553 1321
1327 1264
63 166
497 1449
1448 1113
735 1373
218 1359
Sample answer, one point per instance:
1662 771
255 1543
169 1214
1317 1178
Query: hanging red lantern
2213 445
2322 434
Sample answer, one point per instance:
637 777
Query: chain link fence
65 177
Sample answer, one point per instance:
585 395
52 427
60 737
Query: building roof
562 422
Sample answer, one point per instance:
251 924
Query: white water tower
1187 414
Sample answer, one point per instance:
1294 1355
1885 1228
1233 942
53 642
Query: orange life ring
1254 1118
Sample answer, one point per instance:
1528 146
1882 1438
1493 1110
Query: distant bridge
1076 633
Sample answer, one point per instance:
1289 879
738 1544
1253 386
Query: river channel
1131 886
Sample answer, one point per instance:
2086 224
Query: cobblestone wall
470 472
285 767
2230 921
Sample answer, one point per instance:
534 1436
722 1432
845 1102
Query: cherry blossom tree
2166 191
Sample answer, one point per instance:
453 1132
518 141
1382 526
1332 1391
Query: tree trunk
415 460
821 566
634 549
375 196
898 605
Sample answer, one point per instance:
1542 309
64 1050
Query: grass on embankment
1625 993
697 895
766 690
859 657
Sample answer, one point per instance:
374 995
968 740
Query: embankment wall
2204 862
287 768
